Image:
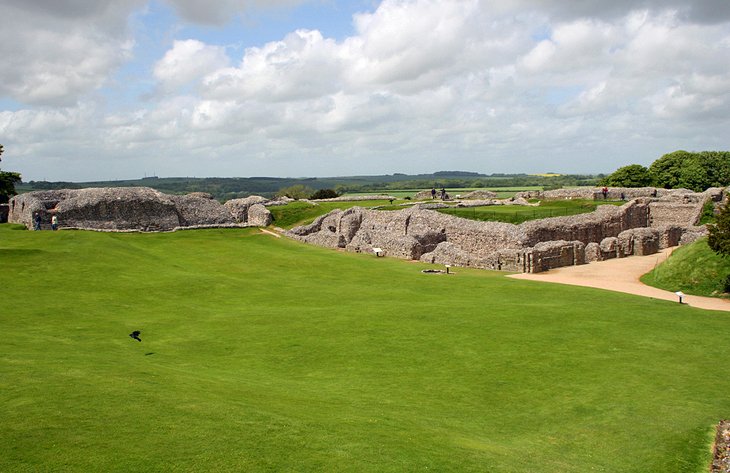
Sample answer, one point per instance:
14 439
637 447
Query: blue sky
112 89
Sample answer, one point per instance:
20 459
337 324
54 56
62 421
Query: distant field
518 214
261 354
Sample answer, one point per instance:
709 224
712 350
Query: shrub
324 194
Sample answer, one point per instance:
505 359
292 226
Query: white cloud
187 62
420 85
304 64
50 60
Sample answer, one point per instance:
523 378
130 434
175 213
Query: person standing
36 221
54 223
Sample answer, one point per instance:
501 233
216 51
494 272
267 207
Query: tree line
8 180
696 171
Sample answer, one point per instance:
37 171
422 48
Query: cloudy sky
111 89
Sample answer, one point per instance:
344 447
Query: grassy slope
693 269
262 354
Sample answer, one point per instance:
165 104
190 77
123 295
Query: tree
719 238
696 171
7 183
324 194
297 191
633 175
665 171
693 174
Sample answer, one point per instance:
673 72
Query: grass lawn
517 214
264 354
693 269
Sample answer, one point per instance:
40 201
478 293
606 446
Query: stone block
259 216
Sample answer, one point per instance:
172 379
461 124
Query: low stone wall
596 193
354 198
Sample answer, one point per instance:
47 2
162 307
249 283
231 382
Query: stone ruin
135 209
654 220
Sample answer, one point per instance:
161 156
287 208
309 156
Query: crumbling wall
130 209
606 221
538 245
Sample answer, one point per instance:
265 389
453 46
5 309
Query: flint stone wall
239 207
123 209
533 246
355 198
479 195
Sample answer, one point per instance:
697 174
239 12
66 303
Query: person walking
54 223
36 221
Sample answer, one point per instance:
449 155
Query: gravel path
622 275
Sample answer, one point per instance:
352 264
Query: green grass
517 214
264 354
693 269
302 213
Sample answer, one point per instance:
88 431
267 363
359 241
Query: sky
123 89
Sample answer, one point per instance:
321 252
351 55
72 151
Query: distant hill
225 188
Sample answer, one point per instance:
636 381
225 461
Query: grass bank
693 269
264 354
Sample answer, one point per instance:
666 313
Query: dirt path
622 275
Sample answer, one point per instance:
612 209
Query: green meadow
518 214
262 354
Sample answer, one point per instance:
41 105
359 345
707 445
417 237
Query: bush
719 238
298 191
324 194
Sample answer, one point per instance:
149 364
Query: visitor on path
36 221
433 193
605 193
54 223
443 193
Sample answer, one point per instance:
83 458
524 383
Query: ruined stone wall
595 193
673 213
538 245
606 221
123 209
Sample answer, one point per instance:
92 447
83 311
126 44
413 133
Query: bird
135 335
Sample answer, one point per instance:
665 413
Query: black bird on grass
135 335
